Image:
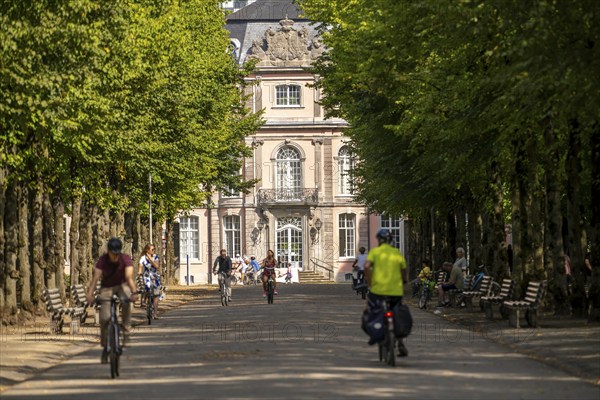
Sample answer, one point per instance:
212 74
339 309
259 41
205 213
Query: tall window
189 237
231 224
345 167
287 95
395 226
347 235
288 173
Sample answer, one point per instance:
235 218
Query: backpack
402 321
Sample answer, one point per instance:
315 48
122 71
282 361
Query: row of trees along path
472 116
97 95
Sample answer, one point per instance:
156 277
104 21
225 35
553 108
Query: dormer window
287 95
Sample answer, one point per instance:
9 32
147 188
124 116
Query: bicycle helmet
114 245
384 234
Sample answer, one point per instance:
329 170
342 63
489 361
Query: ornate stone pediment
286 46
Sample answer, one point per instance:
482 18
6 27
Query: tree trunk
594 294
461 229
37 246
436 230
59 243
451 231
74 239
2 241
575 214
49 239
136 247
167 266
11 243
24 256
517 273
128 244
84 242
93 247
554 248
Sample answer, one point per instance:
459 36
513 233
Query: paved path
307 345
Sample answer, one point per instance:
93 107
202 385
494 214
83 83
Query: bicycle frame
222 279
270 289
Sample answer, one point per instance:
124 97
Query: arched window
287 95
289 173
345 167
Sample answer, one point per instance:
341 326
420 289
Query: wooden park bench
57 312
531 303
455 295
79 300
484 289
506 294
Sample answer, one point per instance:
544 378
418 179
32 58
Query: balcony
288 196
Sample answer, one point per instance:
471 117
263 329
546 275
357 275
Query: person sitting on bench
456 281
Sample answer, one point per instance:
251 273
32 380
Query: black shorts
448 286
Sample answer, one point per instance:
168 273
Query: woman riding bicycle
269 265
148 266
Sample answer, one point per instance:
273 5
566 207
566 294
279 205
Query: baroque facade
302 206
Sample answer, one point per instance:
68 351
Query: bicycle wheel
423 300
224 301
495 289
112 353
150 309
270 291
391 356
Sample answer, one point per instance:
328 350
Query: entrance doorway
289 241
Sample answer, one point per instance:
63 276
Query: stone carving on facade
286 46
316 48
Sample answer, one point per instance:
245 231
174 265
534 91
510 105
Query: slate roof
267 10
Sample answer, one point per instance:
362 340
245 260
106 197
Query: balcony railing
287 196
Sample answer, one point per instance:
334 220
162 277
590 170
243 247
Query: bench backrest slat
486 282
534 293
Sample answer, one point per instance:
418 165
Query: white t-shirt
361 260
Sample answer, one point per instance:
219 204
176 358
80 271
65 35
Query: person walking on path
115 270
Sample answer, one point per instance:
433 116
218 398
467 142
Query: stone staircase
312 277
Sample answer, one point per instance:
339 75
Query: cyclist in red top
115 270
269 265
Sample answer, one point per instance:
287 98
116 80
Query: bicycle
270 289
478 277
249 278
388 345
115 341
223 288
427 288
361 287
149 295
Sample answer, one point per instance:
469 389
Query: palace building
303 206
